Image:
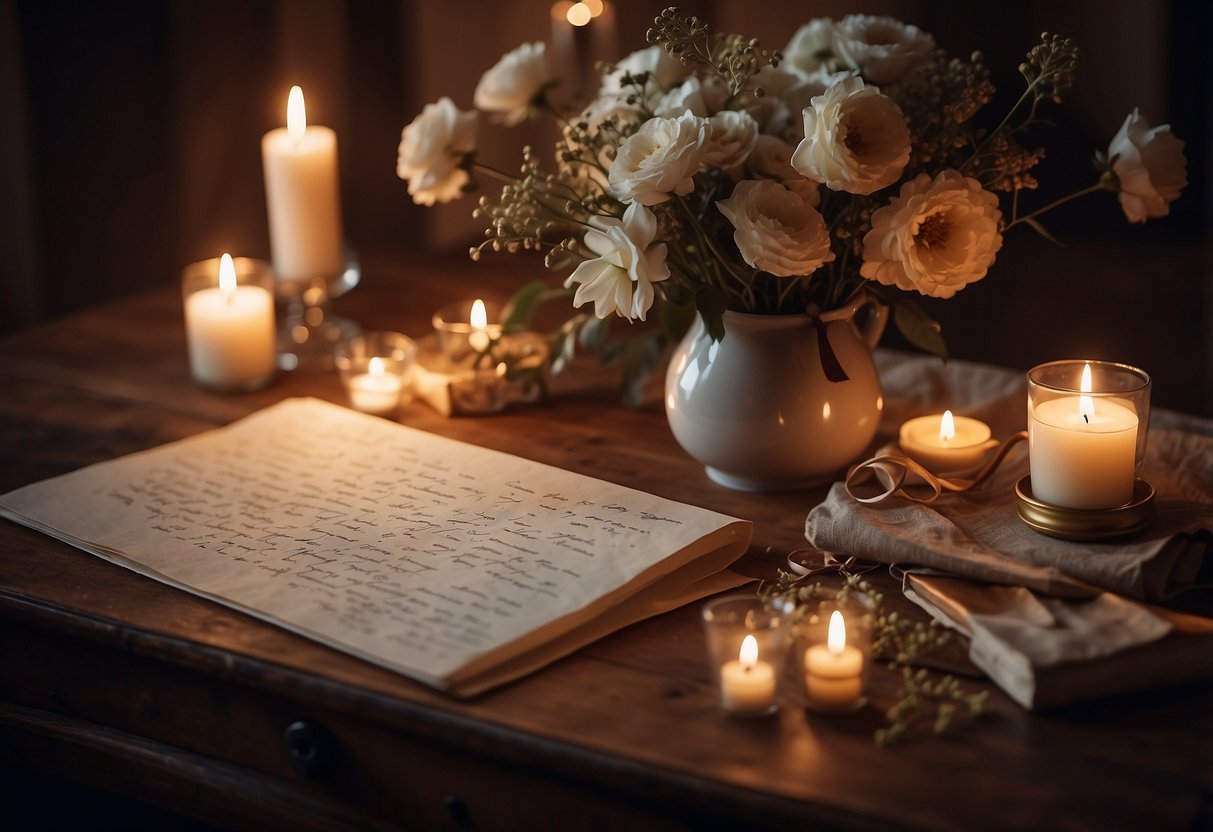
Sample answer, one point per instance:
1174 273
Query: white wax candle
747 686
1082 452
302 197
230 332
376 391
946 443
833 672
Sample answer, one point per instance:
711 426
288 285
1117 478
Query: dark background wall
130 130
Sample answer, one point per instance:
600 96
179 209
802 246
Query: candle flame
579 14
480 318
227 276
836 639
947 427
376 367
1086 404
296 115
596 7
748 656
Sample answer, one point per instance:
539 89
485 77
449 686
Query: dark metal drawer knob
312 749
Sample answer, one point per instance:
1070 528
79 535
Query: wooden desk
114 680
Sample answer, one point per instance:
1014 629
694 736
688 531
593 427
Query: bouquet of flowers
710 174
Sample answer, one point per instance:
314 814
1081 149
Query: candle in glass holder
466 330
747 685
947 442
302 197
833 672
375 367
229 324
375 391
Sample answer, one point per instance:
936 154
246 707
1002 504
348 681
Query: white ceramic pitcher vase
757 408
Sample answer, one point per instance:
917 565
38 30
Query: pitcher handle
873 328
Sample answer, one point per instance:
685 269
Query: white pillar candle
747 686
375 391
230 332
302 197
947 442
1082 450
833 672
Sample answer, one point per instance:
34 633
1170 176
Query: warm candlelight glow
579 14
1086 404
836 639
296 115
375 367
595 7
227 277
947 427
749 652
480 318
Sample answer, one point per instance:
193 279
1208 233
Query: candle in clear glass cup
945 442
833 672
747 685
375 391
1083 444
229 327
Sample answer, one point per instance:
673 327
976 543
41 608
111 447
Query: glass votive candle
479 391
747 646
229 322
467 329
374 368
834 646
1087 425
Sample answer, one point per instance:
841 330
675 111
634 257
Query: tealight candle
833 672
229 323
947 442
302 197
375 391
1082 449
747 685
374 367
466 330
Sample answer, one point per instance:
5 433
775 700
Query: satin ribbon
884 476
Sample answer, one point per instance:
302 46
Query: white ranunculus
855 139
510 87
432 150
883 48
664 70
732 134
620 278
1151 166
659 160
776 230
771 158
936 237
812 47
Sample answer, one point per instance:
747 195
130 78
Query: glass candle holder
374 368
229 322
460 336
1087 426
747 646
834 648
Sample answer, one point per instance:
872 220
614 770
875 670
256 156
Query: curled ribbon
885 474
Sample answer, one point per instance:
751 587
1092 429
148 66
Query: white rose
664 70
1151 166
776 230
510 87
659 160
687 97
794 98
431 152
620 279
812 47
731 137
935 237
855 139
882 48
771 158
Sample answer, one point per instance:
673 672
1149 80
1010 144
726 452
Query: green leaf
522 305
640 358
594 333
919 329
710 302
1042 231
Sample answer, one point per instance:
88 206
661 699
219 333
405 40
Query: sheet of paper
415 551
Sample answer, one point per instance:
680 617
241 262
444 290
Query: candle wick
1085 419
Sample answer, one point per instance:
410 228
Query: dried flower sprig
734 58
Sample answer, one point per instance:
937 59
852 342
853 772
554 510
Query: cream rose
509 88
659 160
771 158
731 137
1151 167
432 150
882 48
935 237
776 230
620 278
664 70
855 139
812 47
